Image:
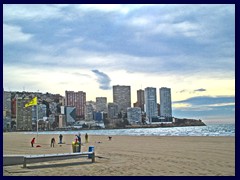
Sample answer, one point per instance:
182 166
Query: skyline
90 48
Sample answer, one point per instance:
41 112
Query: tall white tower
165 102
150 96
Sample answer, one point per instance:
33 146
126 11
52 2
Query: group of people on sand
52 143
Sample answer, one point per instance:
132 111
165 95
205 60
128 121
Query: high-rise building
140 99
23 115
112 111
134 115
89 110
101 104
150 102
165 102
7 104
122 97
78 100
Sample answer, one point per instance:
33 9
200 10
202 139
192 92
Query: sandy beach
127 156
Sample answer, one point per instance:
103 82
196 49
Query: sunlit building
122 97
77 100
150 103
165 102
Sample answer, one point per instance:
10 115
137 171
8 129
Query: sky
90 48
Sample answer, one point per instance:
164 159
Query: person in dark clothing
60 138
86 138
32 141
79 138
52 142
79 141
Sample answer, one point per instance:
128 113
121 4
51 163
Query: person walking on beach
86 138
79 138
60 138
52 142
33 141
79 142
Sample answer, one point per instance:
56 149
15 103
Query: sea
209 130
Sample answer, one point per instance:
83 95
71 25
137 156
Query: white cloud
14 34
139 21
105 7
34 12
187 29
121 8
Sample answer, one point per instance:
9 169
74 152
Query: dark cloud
102 79
200 112
182 91
188 29
206 106
208 100
200 90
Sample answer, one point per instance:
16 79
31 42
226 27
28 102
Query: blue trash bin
90 149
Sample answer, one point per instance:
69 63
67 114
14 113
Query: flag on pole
33 102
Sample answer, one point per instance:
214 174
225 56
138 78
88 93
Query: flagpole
37 122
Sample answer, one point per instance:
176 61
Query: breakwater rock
188 122
177 122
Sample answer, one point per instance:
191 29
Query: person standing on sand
33 141
79 141
60 138
79 138
86 138
52 142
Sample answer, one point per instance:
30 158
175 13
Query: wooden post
24 163
93 157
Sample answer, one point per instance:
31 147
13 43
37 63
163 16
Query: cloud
32 12
185 47
14 34
105 7
192 91
205 107
207 100
127 39
200 90
103 80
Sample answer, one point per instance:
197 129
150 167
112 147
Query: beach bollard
73 147
78 147
90 149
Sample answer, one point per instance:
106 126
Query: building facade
89 110
165 102
134 115
7 112
122 97
140 99
41 110
7 104
101 104
112 110
150 103
23 115
62 121
78 100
